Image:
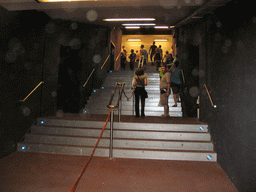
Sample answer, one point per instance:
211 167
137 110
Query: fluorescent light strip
139 24
135 27
49 1
129 19
134 39
161 27
160 39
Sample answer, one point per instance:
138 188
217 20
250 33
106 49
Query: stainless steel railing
117 106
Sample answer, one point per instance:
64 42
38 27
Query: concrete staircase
131 140
97 103
153 137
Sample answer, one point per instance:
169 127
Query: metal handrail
141 59
105 62
209 96
118 56
32 91
121 90
88 78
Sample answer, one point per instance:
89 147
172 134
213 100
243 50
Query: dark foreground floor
37 172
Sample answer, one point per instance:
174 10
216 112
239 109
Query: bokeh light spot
195 72
54 94
26 111
228 42
60 113
96 58
224 49
50 28
218 24
168 4
92 15
194 91
199 2
74 26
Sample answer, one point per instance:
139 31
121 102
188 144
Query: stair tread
128 130
117 138
119 148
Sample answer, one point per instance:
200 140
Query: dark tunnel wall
227 65
30 52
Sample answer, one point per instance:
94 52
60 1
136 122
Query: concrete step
131 134
131 140
56 122
120 142
191 155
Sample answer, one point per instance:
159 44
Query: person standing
123 59
151 51
144 53
157 57
161 52
165 84
175 81
132 59
140 81
137 58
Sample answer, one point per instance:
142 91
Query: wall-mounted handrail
105 62
32 91
118 56
88 78
209 96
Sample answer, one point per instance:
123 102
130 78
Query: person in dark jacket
140 81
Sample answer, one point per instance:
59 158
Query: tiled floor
37 172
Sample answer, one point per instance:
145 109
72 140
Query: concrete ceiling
166 12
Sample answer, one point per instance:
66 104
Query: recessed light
129 19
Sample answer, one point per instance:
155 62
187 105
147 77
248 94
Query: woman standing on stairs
175 82
140 81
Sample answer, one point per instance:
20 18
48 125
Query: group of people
170 80
134 57
156 57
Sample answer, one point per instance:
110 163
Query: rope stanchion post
111 135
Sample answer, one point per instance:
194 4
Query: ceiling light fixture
160 39
51 1
134 39
129 19
132 27
138 24
161 27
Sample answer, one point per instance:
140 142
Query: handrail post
133 101
111 134
120 104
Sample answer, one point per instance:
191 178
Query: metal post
133 101
119 111
111 135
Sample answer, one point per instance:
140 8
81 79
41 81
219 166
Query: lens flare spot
194 91
92 15
50 28
96 58
60 113
26 111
